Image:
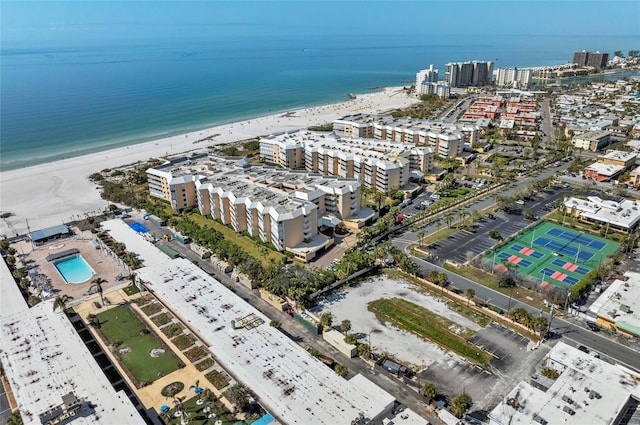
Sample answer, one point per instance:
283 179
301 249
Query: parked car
583 349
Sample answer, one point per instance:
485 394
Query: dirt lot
351 303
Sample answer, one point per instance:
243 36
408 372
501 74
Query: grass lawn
430 326
524 295
131 289
452 302
243 242
120 324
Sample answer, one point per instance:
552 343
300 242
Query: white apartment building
429 75
446 139
279 206
378 164
439 89
514 77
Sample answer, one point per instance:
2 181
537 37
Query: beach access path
59 192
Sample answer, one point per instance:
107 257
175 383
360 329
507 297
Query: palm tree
460 404
178 402
448 220
421 234
469 293
61 302
97 284
429 390
345 326
326 319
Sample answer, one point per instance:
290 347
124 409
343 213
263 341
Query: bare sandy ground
351 304
49 194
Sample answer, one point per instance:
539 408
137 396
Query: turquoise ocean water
62 102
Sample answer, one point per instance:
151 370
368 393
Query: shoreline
57 192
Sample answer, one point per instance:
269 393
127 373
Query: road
576 332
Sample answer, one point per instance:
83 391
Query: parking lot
515 357
464 244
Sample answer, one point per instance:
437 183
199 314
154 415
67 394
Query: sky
31 24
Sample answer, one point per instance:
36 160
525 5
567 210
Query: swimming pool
138 227
74 269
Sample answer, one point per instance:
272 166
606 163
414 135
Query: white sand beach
58 192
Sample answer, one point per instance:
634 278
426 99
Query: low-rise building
292 385
618 307
53 376
621 216
619 158
588 391
592 140
603 172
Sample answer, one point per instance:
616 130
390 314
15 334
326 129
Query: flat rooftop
620 302
45 359
294 386
603 169
624 214
588 391
135 243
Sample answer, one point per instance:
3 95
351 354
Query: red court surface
527 251
515 259
558 276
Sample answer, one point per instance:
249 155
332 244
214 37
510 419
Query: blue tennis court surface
524 263
536 254
563 249
138 227
570 280
517 247
503 255
576 237
547 272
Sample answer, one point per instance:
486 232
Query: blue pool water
138 227
74 269
265 420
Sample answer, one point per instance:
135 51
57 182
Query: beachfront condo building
514 77
471 73
280 206
445 139
439 89
426 75
377 164
594 59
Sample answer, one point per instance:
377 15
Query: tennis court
553 254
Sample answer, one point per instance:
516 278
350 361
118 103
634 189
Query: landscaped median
429 326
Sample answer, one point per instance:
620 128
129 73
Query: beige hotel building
377 164
446 139
280 206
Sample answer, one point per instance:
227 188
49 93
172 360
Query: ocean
57 102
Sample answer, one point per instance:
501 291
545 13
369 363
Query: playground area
552 254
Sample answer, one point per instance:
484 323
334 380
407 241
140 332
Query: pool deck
105 265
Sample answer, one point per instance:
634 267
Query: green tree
61 302
461 404
276 324
429 390
550 373
97 285
469 293
421 234
341 370
14 418
506 280
364 350
326 320
351 339
238 395
345 326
